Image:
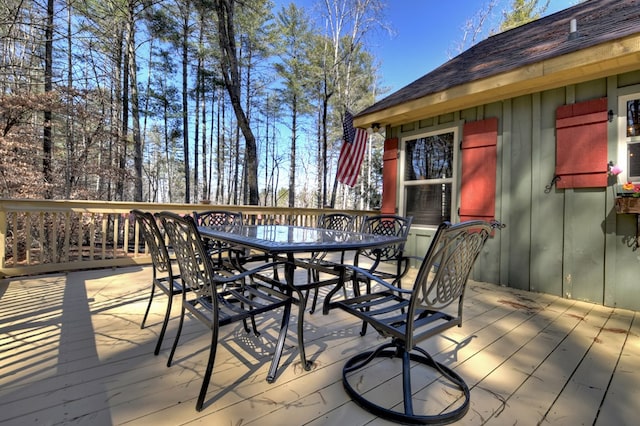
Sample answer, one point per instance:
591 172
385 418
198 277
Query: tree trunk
135 107
185 105
325 146
70 120
231 73
292 170
200 95
124 127
47 143
196 135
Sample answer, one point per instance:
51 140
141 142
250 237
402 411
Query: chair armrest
359 271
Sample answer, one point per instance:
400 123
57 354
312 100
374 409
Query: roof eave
614 57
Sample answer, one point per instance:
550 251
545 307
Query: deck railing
41 236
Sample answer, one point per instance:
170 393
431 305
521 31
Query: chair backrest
195 269
386 224
218 218
336 221
443 274
154 240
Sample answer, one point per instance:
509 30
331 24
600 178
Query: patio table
290 241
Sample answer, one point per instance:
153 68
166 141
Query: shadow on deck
72 352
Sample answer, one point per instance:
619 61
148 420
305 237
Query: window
629 135
633 138
429 164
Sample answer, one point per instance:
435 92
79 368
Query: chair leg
209 371
314 301
165 322
153 290
175 342
313 276
407 394
301 308
363 331
254 326
246 326
275 361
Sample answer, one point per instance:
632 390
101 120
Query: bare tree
48 87
348 23
135 107
225 11
474 28
104 111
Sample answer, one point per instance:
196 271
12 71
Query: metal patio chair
216 303
217 218
332 221
393 255
389 262
409 316
218 250
163 276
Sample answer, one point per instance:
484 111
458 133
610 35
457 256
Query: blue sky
426 32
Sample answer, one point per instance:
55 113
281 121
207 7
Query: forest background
230 101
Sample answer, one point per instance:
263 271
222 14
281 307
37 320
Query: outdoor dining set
225 271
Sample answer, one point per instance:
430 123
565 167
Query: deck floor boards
72 352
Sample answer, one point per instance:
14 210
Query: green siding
569 242
624 291
546 207
418 242
518 190
583 255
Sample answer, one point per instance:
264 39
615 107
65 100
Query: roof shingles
598 21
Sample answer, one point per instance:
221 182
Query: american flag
348 132
352 152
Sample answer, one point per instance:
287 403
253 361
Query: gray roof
598 21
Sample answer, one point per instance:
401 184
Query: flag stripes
351 156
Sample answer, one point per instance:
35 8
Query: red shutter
389 176
581 144
479 156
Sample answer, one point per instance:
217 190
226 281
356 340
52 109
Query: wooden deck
72 352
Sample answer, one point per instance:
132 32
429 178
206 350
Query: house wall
566 242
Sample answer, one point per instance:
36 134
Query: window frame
624 141
404 184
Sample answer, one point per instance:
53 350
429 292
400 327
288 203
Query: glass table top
285 238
